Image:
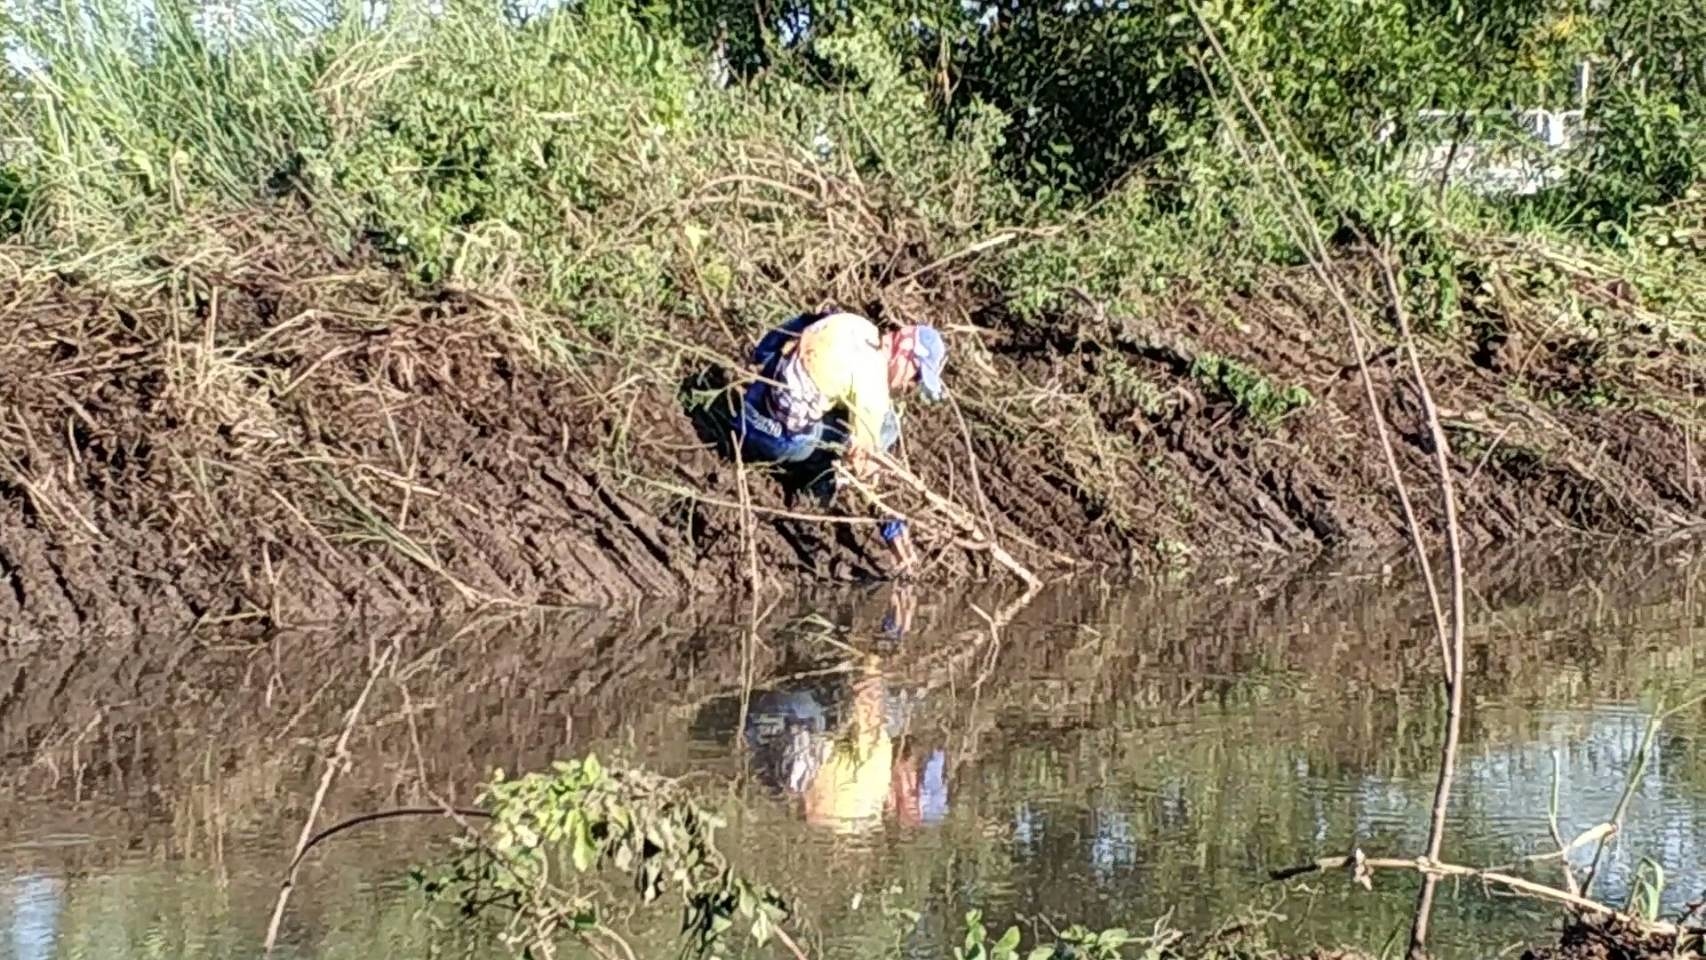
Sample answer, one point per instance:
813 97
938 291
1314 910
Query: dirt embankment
302 439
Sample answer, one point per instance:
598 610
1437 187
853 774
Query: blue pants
763 439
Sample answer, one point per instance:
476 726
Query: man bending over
816 365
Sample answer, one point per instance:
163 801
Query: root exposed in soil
301 439
1610 939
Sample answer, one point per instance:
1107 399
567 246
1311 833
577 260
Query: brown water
1111 756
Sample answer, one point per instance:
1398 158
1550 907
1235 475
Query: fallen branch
749 539
971 465
960 518
380 816
1643 756
1570 883
1362 867
988 243
339 756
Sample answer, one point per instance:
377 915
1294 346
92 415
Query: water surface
1111 756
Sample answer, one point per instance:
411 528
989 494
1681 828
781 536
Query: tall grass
580 159
590 166
139 120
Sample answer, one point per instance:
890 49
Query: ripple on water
1110 762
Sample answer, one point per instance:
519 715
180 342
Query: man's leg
762 438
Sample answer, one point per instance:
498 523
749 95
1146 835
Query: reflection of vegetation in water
1124 755
649 829
1214 790
1131 806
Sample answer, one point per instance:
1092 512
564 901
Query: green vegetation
588 159
534 872
1251 393
628 191
548 828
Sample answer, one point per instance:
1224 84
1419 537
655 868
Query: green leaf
761 929
583 850
526 835
975 933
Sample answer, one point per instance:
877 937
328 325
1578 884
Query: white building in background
1526 163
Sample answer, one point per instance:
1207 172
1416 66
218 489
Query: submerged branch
334 762
1362 867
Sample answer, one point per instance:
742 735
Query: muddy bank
1584 939
307 439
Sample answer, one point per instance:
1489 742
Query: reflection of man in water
849 776
848 786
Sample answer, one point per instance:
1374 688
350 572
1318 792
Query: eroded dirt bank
313 439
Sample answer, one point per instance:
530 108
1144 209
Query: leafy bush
641 165
1253 394
550 830
1647 115
506 137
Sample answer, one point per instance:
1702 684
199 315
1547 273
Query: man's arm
866 409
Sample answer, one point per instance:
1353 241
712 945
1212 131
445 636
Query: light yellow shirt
843 358
851 788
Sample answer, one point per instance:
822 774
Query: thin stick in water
339 755
1454 678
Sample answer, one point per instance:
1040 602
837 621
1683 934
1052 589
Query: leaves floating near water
1078 942
536 866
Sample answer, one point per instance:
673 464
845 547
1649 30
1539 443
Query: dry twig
338 758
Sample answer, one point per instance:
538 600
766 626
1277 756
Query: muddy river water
1113 755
